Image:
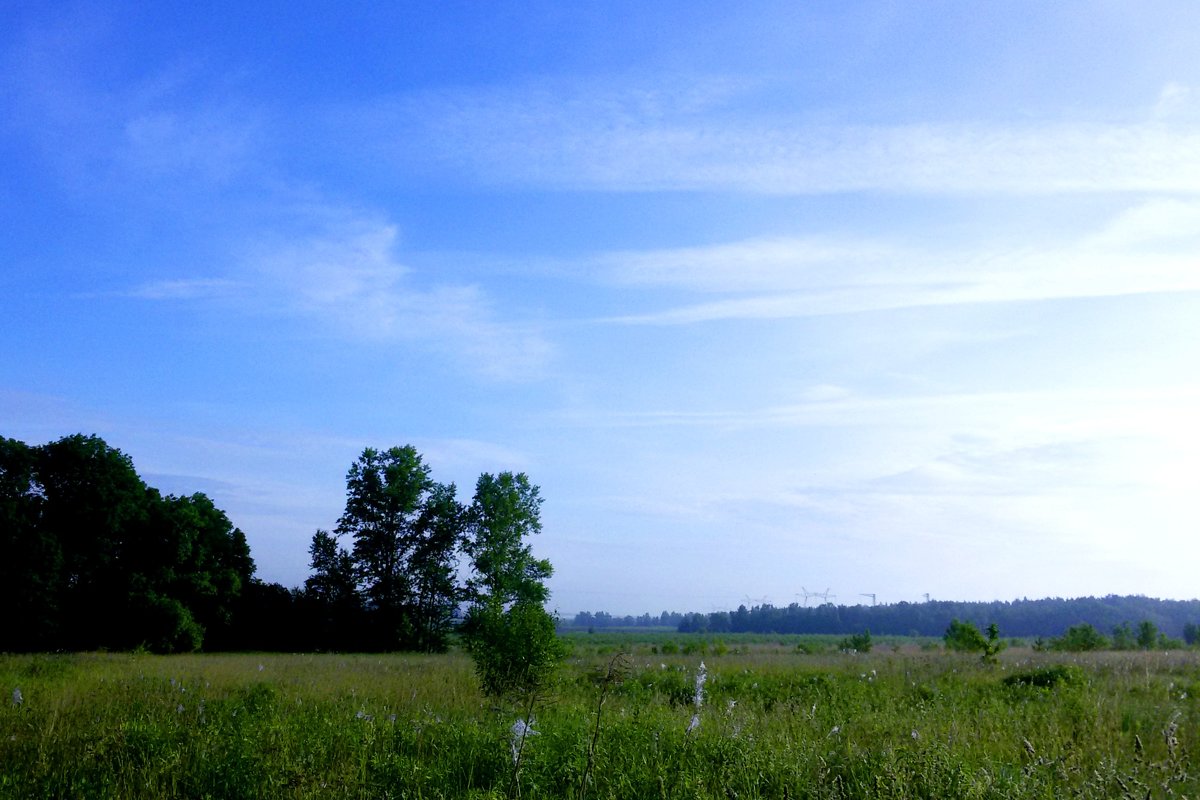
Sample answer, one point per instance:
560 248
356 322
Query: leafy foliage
406 530
96 558
964 637
509 634
1080 638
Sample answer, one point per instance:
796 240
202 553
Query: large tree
405 529
95 558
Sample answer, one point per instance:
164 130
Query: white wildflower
701 676
179 708
730 706
836 730
260 668
520 730
915 735
18 698
695 723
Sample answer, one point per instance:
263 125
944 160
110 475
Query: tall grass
774 723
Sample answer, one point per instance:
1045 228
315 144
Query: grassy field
778 719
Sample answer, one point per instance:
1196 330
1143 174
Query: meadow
778 717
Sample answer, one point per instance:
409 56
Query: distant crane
870 595
751 602
825 596
927 597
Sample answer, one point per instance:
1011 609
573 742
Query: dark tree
95 558
406 529
31 570
331 595
434 564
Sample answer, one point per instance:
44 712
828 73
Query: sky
769 298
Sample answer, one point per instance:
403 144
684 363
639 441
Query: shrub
857 643
1080 638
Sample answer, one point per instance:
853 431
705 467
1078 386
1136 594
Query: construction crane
868 594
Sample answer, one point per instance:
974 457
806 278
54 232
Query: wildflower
520 730
1169 734
18 698
260 667
836 730
701 676
695 723
730 706
179 708
915 735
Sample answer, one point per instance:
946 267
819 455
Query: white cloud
1149 247
346 281
349 279
592 136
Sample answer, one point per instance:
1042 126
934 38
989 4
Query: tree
406 529
1123 637
384 495
507 631
1147 635
1080 638
434 565
96 558
965 637
96 511
505 511
31 569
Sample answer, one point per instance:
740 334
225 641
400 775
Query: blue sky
892 298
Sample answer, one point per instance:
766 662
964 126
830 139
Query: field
779 719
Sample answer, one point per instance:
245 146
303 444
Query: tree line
1046 617
95 558
1027 618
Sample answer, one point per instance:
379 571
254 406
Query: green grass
899 722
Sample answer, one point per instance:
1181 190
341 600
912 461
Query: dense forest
1025 618
97 559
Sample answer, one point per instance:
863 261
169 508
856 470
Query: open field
775 722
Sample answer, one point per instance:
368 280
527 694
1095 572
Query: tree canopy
96 558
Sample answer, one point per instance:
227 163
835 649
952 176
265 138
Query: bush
1080 638
964 637
856 643
1047 677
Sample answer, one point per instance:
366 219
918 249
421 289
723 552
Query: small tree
508 633
510 636
964 637
1080 638
856 643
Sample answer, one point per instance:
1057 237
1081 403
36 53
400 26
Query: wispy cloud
1150 247
345 280
619 137
186 289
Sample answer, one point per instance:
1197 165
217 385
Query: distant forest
1018 618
